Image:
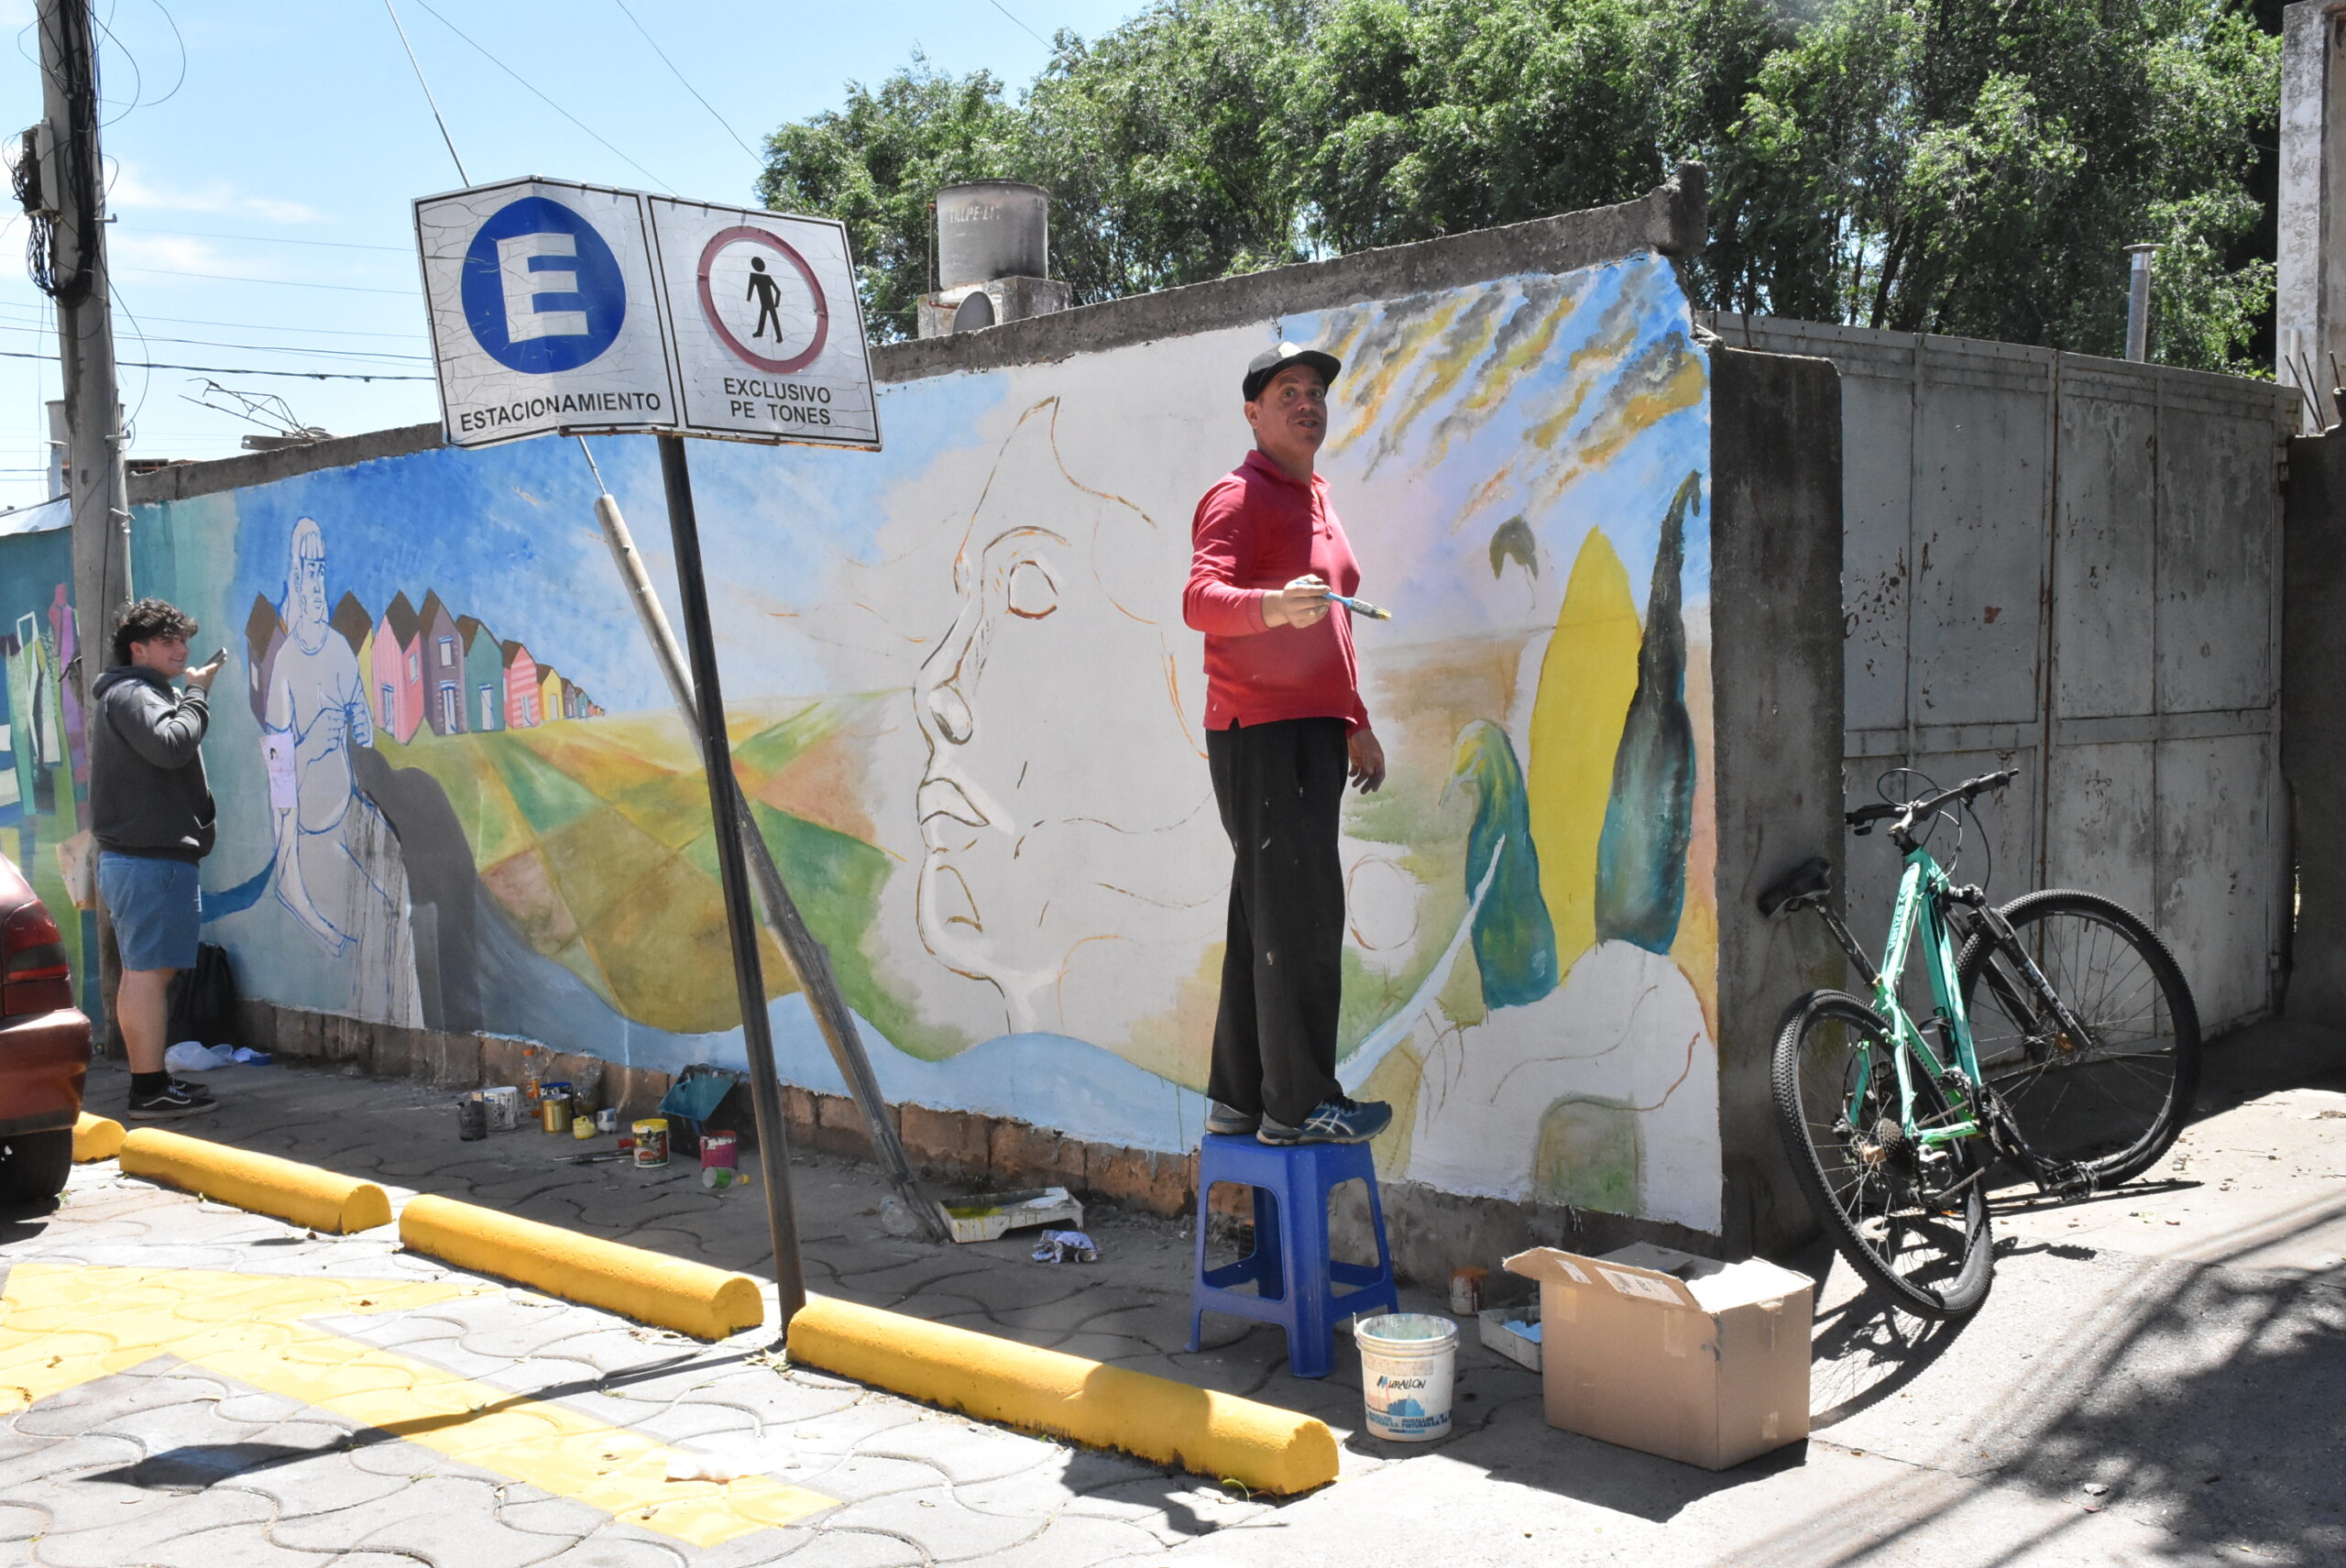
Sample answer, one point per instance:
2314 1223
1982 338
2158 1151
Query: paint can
606 1120
472 1118
719 1148
554 1111
1407 1361
1467 1289
651 1141
504 1105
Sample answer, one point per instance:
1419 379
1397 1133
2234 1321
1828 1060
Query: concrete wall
2310 281
2313 722
2071 566
967 714
1775 442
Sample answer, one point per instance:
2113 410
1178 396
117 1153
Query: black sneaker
167 1104
1332 1121
199 1093
1229 1122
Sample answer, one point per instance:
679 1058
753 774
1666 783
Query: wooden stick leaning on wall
809 960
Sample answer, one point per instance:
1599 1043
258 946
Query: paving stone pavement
2183 1383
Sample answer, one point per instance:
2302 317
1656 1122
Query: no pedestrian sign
559 308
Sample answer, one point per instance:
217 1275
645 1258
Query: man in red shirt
1284 728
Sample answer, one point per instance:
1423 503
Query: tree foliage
1973 167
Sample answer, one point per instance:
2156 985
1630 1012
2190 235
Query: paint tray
1514 1333
991 1217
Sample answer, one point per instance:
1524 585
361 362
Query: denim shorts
154 905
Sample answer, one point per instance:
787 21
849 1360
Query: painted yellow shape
1260 1446
650 1287
263 1183
96 1137
62 1326
1586 679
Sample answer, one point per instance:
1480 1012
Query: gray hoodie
146 791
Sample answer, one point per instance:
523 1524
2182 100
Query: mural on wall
44 755
967 715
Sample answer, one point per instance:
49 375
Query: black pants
1280 786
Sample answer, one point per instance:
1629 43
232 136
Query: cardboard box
1672 1353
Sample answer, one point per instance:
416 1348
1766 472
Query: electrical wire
679 75
541 96
1023 26
271 282
275 239
254 347
237 370
428 98
42 316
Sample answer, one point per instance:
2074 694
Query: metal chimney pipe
2138 303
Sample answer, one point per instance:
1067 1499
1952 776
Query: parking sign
546 311
764 325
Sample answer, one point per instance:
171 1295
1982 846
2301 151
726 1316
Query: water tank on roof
991 228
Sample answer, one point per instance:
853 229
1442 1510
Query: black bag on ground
204 1001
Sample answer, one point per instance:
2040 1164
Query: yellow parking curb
303 1193
95 1137
690 1298
1260 1446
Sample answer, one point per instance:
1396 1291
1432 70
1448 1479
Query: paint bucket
651 1141
554 1113
1406 1363
504 1105
718 1149
472 1118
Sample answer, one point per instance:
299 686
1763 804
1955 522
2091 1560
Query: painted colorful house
550 690
484 678
521 688
357 627
443 667
396 671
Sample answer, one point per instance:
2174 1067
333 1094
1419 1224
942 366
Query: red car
44 1047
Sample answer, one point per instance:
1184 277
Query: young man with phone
1285 726
151 814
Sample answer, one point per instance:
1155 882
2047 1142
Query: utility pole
73 183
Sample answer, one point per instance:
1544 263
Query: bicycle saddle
1811 876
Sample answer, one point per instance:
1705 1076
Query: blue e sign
541 289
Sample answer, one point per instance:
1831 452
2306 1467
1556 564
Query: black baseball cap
1271 361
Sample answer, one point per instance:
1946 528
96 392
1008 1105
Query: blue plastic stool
1294 1278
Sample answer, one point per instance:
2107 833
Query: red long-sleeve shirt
1255 532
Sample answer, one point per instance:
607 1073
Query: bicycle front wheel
2108 1104
1910 1215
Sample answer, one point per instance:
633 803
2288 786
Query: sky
263 155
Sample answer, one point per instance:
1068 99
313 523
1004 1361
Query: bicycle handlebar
1864 816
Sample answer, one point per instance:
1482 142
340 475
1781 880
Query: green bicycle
2064 1042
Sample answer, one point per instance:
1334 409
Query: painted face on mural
1062 790
305 583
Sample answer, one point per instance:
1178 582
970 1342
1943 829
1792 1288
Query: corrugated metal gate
2072 566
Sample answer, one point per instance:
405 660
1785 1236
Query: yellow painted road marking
61 1326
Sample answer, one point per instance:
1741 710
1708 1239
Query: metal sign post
567 309
733 874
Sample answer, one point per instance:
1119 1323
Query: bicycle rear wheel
2107 1105
1910 1217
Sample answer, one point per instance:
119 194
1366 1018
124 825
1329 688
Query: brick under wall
953 1148
1429 1232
